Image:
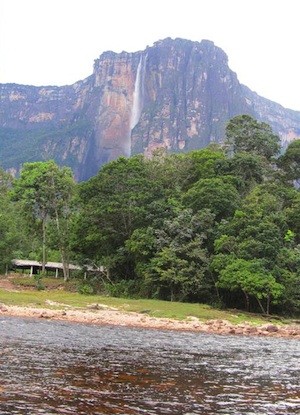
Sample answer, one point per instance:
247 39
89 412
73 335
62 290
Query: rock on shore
104 315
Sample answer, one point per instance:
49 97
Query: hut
35 267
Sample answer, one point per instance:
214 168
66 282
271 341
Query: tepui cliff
176 94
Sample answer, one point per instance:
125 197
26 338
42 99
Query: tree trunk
247 302
268 304
216 286
172 294
261 306
65 262
63 253
44 245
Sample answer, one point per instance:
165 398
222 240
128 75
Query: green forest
219 226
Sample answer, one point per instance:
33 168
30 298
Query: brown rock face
176 94
116 76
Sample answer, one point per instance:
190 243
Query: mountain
176 94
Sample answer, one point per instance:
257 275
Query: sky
55 42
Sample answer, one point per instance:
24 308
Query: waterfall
138 93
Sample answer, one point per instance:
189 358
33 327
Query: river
50 367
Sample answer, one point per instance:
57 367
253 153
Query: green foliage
86 289
124 289
289 237
49 283
287 271
126 195
169 227
45 192
260 232
217 194
10 224
248 169
205 162
44 188
290 161
39 284
221 227
174 257
250 277
245 134
18 147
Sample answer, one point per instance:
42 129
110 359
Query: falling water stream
137 102
49 367
138 93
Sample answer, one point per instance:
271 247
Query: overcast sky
55 42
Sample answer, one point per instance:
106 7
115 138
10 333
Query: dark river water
61 368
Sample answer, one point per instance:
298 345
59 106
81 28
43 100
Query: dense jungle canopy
219 225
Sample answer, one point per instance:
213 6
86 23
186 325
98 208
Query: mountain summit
176 94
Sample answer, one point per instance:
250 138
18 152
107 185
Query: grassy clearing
155 308
49 283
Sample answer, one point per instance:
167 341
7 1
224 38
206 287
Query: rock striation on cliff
176 94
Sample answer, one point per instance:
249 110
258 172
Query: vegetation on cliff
218 225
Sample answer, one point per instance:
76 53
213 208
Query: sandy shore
102 315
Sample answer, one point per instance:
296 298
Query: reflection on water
61 368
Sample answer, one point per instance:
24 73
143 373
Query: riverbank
19 297
100 314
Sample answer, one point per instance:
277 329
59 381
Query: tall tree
248 169
173 259
251 278
245 134
290 161
112 205
260 232
45 191
217 194
8 222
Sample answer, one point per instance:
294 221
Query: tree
290 161
293 216
174 258
287 271
206 162
261 230
248 169
112 205
217 194
8 223
173 172
45 191
251 278
6 181
245 134
61 188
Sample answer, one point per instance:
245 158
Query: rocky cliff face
176 94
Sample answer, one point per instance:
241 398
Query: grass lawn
155 308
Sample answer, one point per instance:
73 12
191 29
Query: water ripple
60 368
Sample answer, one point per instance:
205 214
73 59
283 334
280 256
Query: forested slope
219 225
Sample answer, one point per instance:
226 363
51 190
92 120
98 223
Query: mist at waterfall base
62 368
